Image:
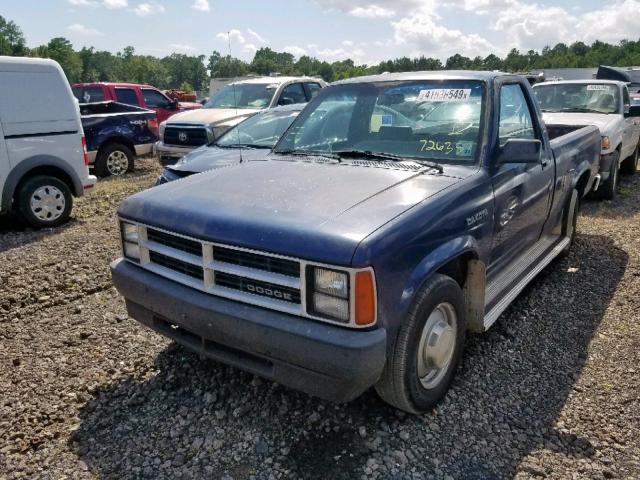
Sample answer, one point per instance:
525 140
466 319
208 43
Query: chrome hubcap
47 203
437 344
117 163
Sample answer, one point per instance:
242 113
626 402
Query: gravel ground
551 391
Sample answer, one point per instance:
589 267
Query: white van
43 159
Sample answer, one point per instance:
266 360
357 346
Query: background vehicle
115 134
395 213
606 104
228 107
43 161
252 139
144 96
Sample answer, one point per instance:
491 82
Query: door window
293 93
126 95
313 89
515 117
154 98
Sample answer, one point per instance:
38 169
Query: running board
534 253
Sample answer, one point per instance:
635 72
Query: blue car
250 140
398 212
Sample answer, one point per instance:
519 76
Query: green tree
12 40
61 50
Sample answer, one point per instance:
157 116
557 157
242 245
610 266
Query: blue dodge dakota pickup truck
397 212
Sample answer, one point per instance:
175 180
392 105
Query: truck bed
556 131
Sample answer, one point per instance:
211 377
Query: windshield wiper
309 153
578 110
389 156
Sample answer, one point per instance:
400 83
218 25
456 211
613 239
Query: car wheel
44 202
607 190
427 350
114 159
630 165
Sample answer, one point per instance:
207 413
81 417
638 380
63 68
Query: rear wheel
607 190
427 350
630 165
44 202
114 159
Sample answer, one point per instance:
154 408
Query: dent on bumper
323 360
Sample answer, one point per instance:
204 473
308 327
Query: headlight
606 143
331 295
219 130
161 129
130 241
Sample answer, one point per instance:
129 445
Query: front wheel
44 202
608 189
427 350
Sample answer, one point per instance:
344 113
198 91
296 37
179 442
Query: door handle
544 162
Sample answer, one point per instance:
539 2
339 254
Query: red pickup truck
144 96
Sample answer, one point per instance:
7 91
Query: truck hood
312 210
211 116
606 122
205 158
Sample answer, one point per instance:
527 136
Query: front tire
114 159
427 350
44 202
608 189
630 165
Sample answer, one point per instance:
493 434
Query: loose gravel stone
552 391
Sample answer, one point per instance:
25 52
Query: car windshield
242 95
431 120
578 97
260 131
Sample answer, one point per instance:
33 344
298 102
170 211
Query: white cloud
82 3
256 35
83 30
237 38
182 47
423 31
148 8
533 26
115 4
201 5
295 50
372 11
612 23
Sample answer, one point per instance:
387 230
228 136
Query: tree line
190 72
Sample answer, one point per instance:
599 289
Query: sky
367 31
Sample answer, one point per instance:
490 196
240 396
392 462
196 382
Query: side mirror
633 111
285 101
520 150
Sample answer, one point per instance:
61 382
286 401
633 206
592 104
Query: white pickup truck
605 104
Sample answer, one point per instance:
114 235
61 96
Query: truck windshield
260 131
578 97
242 95
433 120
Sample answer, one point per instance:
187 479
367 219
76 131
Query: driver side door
522 191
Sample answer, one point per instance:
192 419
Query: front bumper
169 154
327 361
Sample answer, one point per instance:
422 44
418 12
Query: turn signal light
365 299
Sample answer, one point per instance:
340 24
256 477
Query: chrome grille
253 277
185 136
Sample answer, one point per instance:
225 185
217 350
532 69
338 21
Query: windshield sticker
464 148
380 120
597 87
444 95
433 146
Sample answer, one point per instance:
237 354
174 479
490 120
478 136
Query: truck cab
144 96
396 213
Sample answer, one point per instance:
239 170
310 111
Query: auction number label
433 146
445 94
597 87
